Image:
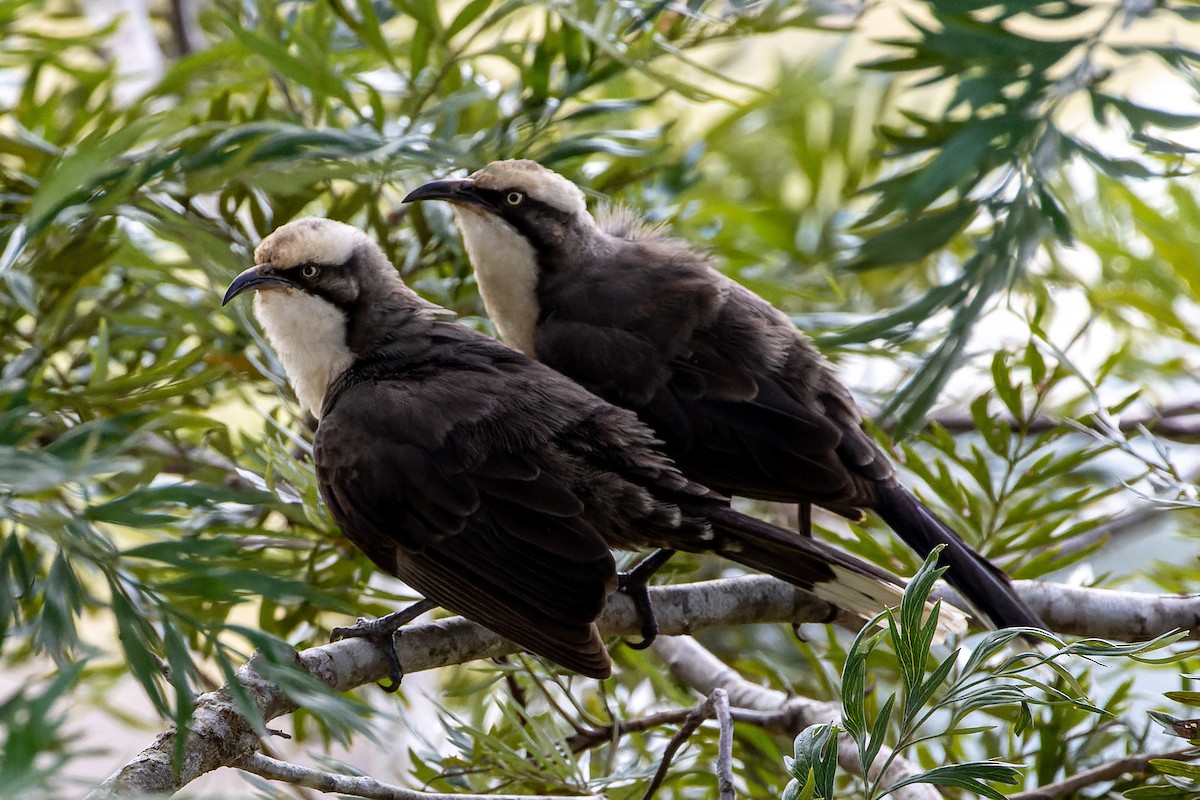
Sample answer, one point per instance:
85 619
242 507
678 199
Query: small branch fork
695 666
715 707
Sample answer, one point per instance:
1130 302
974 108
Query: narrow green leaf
1158 793
878 734
1172 767
957 163
1139 115
916 699
470 12
79 172
1187 698
969 775
912 239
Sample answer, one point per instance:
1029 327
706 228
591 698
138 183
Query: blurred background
984 212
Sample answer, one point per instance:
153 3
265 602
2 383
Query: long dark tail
835 577
980 582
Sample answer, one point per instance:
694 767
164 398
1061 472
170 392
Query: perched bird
746 405
486 481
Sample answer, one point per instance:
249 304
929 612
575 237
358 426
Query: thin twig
594 737
720 705
1179 423
185 29
358 786
691 722
1134 765
781 721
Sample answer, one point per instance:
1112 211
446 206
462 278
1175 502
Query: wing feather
493 536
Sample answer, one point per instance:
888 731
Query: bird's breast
309 337
506 268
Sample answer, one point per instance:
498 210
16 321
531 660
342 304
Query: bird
491 484
744 402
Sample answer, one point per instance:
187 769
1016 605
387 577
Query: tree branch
218 735
704 672
359 786
691 721
1180 423
720 704
1134 765
1110 613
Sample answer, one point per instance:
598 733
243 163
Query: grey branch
1179 423
219 736
691 721
716 706
704 672
1109 613
358 786
720 704
1132 765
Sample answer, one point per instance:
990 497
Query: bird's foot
636 584
804 520
382 632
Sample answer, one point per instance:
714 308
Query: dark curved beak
253 278
452 190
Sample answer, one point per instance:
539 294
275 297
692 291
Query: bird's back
743 401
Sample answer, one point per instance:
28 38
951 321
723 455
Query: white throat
506 269
309 336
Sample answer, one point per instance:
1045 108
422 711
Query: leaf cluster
985 164
995 676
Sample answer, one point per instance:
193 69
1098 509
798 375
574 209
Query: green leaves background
969 205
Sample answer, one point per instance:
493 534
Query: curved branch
704 672
1132 765
219 736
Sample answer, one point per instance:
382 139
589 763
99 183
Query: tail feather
980 582
835 577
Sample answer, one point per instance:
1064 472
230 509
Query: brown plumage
744 402
488 482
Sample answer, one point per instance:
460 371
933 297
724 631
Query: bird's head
315 283
322 258
520 196
521 223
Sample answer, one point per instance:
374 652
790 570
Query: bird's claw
636 584
637 588
384 637
382 632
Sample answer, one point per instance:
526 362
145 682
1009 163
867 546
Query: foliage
155 523
992 155
939 697
1182 780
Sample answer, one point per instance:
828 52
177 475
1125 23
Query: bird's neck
316 341
506 268
309 337
395 320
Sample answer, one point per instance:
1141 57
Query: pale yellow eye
309 271
514 198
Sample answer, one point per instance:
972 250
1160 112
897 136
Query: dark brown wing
743 401
744 404
486 531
